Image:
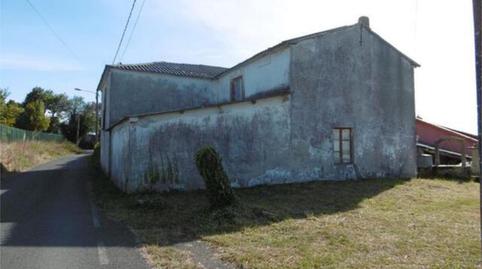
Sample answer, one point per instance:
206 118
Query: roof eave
455 132
103 76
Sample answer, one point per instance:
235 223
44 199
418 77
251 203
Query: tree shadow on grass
170 218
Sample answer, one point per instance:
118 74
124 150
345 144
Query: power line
44 20
124 32
133 29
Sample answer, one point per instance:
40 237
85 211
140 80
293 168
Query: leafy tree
52 102
89 116
54 125
33 118
4 93
77 104
58 105
37 93
11 113
80 114
69 127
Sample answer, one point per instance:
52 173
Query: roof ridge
226 69
175 69
166 62
217 71
460 133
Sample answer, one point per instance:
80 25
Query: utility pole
477 5
96 111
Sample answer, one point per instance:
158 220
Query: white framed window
342 145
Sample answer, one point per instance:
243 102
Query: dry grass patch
170 258
420 223
20 156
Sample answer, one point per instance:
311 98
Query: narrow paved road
48 221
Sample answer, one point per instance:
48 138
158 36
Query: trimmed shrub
219 191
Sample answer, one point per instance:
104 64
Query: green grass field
418 223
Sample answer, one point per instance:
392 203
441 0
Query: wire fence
11 134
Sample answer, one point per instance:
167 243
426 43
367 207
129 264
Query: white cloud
33 63
249 26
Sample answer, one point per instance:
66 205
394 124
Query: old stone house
333 105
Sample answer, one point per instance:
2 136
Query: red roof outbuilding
429 133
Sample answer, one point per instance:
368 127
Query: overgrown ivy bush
219 191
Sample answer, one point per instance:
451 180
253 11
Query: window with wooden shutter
342 145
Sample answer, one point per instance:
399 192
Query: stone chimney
365 21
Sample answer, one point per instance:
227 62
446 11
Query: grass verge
20 156
420 223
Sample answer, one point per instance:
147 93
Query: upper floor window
342 145
237 89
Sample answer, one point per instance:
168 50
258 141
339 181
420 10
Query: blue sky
226 32
31 55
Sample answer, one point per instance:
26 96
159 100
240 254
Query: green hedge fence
11 134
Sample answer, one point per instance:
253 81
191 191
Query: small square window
237 89
342 145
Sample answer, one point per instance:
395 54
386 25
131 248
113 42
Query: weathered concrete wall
104 151
120 155
392 84
351 79
347 78
263 74
128 93
105 135
158 151
133 93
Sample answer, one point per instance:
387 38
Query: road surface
47 220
